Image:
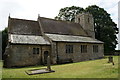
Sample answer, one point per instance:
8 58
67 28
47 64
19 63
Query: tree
4 39
105 28
68 13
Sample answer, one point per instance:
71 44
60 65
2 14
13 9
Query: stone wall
87 23
77 56
22 55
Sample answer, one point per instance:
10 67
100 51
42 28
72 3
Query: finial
38 15
9 15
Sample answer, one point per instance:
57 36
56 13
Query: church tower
87 23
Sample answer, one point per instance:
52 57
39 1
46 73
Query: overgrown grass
87 69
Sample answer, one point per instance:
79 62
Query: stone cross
48 63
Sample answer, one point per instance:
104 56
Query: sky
29 9
118 46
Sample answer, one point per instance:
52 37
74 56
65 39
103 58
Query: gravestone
48 63
110 59
41 71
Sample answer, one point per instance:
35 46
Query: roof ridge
66 34
59 20
24 34
23 19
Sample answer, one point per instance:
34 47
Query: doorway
45 56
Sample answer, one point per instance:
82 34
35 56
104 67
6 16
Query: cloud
7 7
29 9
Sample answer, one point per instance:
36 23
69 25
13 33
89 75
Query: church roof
23 27
30 32
61 27
27 39
30 27
72 38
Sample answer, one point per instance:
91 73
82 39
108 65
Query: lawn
1 69
87 69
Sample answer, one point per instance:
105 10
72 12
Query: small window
83 48
88 20
69 48
95 48
79 20
35 50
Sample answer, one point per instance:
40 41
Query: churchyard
87 69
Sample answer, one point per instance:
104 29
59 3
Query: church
31 42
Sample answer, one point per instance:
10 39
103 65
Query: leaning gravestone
48 63
110 59
41 71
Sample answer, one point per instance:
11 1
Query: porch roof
27 39
72 38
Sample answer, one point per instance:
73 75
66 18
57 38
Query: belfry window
79 20
88 20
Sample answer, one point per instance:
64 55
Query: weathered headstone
41 71
48 63
110 60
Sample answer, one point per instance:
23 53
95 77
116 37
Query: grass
87 69
1 69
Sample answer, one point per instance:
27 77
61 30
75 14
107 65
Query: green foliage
87 69
4 39
105 28
68 13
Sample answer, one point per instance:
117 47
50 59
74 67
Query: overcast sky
29 9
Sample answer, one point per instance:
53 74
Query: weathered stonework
22 55
50 37
87 23
77 56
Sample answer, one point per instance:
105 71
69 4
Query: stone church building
30 42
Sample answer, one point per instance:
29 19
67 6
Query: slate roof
61 27
28 32
71 38
22 26
27 39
